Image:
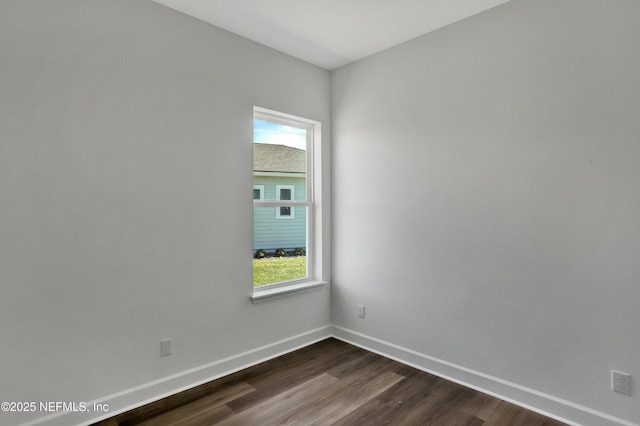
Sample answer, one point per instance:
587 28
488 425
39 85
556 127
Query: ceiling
330 33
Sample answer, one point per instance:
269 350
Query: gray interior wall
488 199
125 185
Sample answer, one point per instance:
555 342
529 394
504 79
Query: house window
258 192
284 240
287 193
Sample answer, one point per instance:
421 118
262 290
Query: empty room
443 191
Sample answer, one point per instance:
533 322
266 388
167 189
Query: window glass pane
280 158
256 194
279 246
285 211
285 194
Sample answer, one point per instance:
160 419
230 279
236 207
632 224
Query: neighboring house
279 173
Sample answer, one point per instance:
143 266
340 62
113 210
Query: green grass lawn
277 269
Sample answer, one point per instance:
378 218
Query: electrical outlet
361 310
165 347
620 382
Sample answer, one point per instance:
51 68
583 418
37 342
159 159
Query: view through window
282 199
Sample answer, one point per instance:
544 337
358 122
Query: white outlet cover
361 311
620 382
165 347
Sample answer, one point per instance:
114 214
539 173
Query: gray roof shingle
278 158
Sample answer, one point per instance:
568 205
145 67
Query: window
258 192
285 192
284 240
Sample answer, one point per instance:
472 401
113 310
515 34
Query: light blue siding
270 232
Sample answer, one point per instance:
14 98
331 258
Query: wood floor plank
211 408
351 362
437 406
297 370
209 416
277 409
416 386
402 397
344 397
374 412
481 405
513 415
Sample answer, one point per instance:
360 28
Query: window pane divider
281 203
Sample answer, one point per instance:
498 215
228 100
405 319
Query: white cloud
274 133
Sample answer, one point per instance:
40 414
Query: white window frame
292 211
313 280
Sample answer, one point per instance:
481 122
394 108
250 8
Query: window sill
264 295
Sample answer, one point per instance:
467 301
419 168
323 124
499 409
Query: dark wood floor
331 383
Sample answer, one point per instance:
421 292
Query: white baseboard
548 405
153 391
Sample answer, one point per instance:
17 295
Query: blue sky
274 133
